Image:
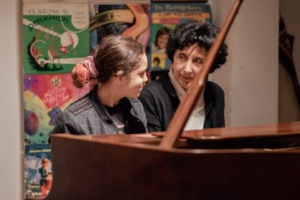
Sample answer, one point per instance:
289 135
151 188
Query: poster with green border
55 37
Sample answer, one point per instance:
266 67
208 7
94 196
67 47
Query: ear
120 73
119 77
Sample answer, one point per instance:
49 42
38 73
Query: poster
45 97
37 168
124 19
164 18
55 37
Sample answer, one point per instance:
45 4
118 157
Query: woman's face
162 41
136 79
46 163
187 62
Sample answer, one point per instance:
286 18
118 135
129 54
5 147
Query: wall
11 151
250 77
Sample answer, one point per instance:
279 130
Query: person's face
186 63
135 80
155 63
46 163
162 41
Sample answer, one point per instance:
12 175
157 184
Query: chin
134 96
184 86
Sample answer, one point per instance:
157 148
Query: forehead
165 35
142 64
193 49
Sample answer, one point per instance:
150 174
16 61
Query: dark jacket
89 116
43 173
160 102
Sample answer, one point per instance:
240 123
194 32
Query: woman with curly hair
187 48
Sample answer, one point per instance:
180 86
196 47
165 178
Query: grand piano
262 163
255 162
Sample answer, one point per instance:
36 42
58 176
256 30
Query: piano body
256 162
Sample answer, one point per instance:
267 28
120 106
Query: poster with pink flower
45 97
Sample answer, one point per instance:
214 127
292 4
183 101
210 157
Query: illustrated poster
164 18
37 168
126 19
55 37
45 97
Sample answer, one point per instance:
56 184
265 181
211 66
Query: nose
188 68
145 78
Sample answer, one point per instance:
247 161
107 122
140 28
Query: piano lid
282 135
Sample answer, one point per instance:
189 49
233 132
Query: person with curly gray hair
187 49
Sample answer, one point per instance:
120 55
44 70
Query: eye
142 74
181 57
198 61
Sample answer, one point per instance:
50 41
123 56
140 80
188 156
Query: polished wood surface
136 167
282 135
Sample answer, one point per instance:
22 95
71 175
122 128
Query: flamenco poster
55 37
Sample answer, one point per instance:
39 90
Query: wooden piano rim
259 131
151 141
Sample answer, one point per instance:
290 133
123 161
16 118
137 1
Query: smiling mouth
140 89
186 79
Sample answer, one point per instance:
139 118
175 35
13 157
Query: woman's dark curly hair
192 32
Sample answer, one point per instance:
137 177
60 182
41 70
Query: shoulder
137 107
134 102
213 87
157 86
160 91
213 91
79 106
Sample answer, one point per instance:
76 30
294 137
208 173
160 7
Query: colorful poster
126 19
164 18
55 37
45 97
38 173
